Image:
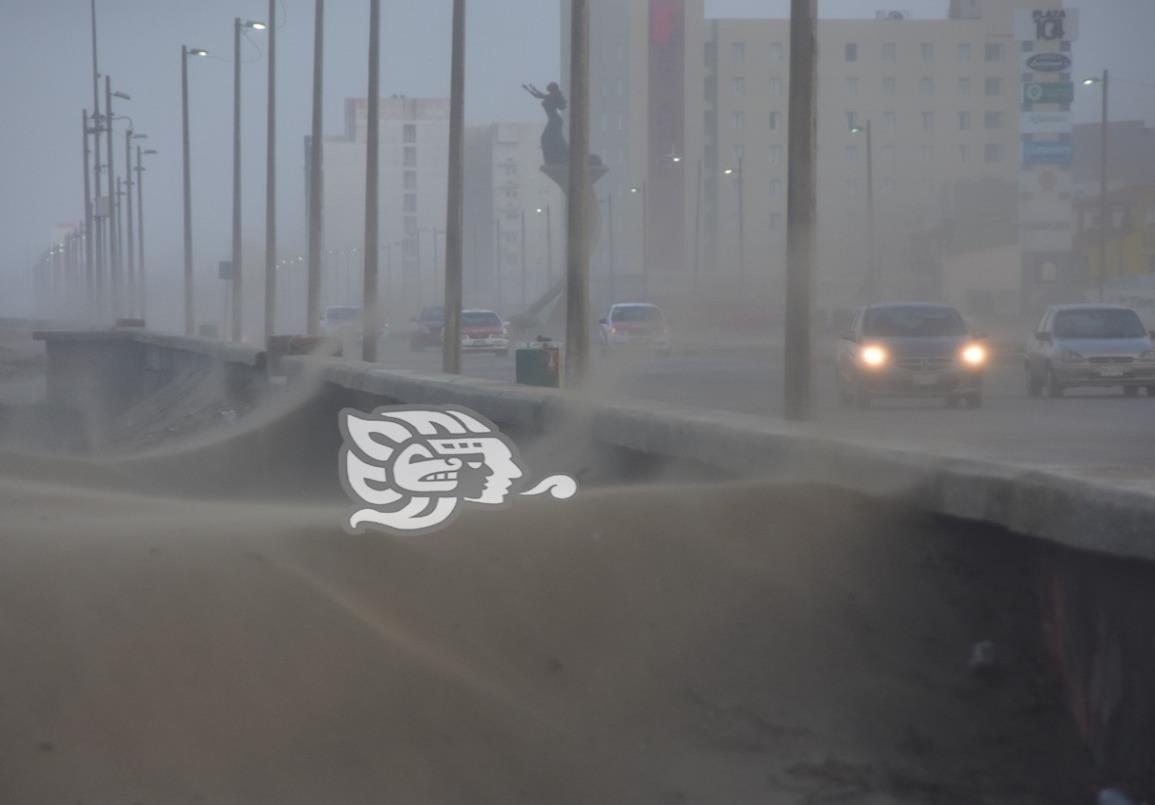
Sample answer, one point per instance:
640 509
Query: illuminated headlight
974 355
873 356
1070 356
1149 355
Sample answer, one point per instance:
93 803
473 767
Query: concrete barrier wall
1096 599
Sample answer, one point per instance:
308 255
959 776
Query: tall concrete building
671 90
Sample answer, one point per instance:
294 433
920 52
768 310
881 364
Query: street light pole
141 287
128 185
237 284
189 309
800 231
271 182
89 287
455 215
872 263
369 304
741 226
578 192
549 246
697 226
613 266
1103 186
316 151
97 231
523 299
113 223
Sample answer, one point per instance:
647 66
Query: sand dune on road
724 644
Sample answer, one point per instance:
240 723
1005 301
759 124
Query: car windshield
637 313
1099 323
482 319
342 314
432 314
913 322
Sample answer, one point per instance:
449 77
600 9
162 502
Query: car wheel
1131 391
1034 385
974 401
1054 389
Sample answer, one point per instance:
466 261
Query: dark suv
428 328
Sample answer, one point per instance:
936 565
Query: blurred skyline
45 78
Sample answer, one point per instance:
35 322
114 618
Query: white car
483 331
631 325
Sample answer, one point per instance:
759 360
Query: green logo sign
1050 92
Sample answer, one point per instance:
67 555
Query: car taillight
613 331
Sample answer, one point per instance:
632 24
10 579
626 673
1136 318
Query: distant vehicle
427 328
341 321
911 350
483 331
1090 345
631 325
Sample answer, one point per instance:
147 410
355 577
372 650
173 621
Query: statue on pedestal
554 148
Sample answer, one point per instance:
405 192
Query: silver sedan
1090 345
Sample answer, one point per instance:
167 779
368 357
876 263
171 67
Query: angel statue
554 147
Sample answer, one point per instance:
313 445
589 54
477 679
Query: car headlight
1070 356
974 355
1149 355
873 356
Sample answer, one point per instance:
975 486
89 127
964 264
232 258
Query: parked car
1090 345
911 350
632 325
483 331
427 328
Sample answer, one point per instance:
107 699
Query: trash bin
538 365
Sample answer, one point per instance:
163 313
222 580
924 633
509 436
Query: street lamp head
149 151
857 130
123 96
677 159
729 171
540 210
1090 82
256 26
198 52
140 136
635 189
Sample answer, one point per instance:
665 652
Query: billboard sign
1050 62
1046 153
1045 123
1051 92
1047 25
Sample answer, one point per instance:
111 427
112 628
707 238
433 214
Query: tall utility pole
800 205
130 298
872 263
313 303
369 304
141 289
578 191
548 246
741 226
97 230
189 314
271 182
89 286
613 267
237 284
697 226
455 217
523 271
113 224
497 255
1103 186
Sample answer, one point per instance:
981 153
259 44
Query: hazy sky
45 80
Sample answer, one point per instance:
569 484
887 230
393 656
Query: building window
738 120
774 51
775 120
739 153
410 180
994 120
738 86
994 51
410 226
852 86
775 87
605 121
889 51
964 51
964 121
775 154
851 51
927 53
851 120
964 86
928 121
775 188
964 153
410 202
409 133
994 86
993 152
852 153
410 157
889 120
889 85
926 86
738 52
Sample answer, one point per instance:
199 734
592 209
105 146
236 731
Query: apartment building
671 90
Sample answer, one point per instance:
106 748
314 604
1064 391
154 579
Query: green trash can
538 366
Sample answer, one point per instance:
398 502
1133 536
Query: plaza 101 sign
1046 25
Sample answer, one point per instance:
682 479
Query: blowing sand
724 644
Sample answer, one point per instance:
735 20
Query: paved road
1089 430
